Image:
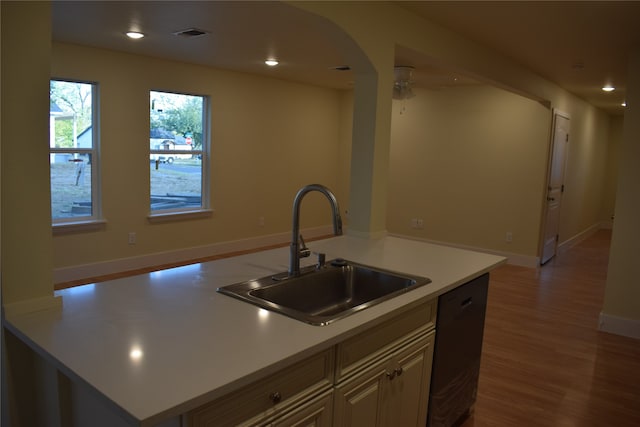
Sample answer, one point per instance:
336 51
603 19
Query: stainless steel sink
322 295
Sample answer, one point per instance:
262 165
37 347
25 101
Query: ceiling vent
190 33
402 82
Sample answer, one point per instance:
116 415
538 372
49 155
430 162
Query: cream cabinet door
357 401
393 392
406 396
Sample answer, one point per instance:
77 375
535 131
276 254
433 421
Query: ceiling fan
402 83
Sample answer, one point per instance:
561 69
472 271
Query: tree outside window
73 151
177 152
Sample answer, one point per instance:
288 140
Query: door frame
552 134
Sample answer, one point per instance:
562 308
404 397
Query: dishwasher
457 351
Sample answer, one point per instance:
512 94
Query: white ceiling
241 35
578 45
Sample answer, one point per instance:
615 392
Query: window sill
158 218
78 226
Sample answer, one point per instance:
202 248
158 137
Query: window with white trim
178 141
74 152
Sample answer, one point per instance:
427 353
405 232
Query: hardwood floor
544 363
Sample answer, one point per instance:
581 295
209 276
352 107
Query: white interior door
555 185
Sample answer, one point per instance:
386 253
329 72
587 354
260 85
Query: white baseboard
79 272
607 225
619 325
519 259
513 259
367 235
569 243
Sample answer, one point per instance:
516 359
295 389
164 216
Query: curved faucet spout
296 251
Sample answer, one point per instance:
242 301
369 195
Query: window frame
204 210
95 220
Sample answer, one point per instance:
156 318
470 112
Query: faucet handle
321 260
304 250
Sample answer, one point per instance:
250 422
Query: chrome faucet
298 249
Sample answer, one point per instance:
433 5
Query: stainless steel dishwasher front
457 351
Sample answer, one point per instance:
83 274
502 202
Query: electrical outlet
132 238
414 222
420 223
508 237
261 221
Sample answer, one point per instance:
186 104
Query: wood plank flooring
544 363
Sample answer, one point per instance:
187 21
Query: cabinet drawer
318 412
358 352
292 385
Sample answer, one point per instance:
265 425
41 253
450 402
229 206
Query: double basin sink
321 295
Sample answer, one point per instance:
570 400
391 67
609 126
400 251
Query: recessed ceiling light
608 88
135 35
271 62
624 104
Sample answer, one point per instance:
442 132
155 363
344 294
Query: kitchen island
147 349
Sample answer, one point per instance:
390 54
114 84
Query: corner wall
613 160
470 162
621 310
587 170
26 219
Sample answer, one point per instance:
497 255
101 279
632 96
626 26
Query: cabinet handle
275 397
395 373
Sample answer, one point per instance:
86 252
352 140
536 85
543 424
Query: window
177 152
73 152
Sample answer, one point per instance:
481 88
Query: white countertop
159 344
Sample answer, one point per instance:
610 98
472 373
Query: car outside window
74 152
177 152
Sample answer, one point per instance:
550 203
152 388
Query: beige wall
269 138
613 160
488 144
344 157
622 295
586 168
586 172
28 244
26 220
485 147
471 162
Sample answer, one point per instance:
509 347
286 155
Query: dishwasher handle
466 302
